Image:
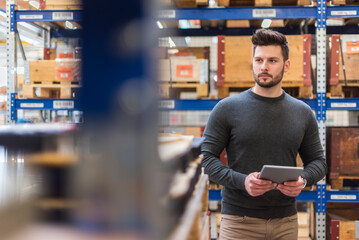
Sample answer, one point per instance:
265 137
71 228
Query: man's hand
256 187
291 188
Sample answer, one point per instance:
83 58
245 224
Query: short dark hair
266 37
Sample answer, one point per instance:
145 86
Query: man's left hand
291 188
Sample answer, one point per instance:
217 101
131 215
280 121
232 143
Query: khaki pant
249 228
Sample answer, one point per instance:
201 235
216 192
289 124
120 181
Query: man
262 125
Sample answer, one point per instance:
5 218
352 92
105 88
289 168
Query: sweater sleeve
312 154
217 134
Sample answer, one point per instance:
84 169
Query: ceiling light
69 25
266 23
171 42
159 24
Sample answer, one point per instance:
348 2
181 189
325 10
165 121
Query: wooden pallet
295 89
184 3
62 83
165 91
62 5
345 2
50 91
349 91
345 182
263 3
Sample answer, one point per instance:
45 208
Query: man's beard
275 80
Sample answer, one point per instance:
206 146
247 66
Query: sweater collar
274 99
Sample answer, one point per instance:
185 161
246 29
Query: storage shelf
249 13
351 11
47 15
350 196
204 104
47 104
239 13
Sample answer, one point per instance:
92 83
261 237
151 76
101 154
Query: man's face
268 65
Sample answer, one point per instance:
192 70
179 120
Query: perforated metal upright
321 110
11 60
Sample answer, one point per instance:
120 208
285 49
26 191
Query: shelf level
47 104
351 11
239 13
351 196
47 15
204 104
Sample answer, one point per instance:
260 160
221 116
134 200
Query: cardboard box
183 70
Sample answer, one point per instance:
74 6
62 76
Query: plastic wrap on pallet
183 118
68 70
342 118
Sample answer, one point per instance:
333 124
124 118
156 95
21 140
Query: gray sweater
257 130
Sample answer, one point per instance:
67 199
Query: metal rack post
321 109
11 59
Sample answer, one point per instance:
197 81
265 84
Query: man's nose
264 66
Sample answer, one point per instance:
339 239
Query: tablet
280 174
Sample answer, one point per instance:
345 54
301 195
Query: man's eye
258 60
273 60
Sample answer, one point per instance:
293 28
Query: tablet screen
280 174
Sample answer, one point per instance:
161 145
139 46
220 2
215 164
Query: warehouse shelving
321 104
239 13
14 16
208 104
259 12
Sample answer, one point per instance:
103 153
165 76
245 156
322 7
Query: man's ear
286 65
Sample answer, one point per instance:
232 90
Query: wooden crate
263 3
341 224
50 71
235 63
337 84
342 152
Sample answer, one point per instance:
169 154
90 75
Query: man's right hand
256 187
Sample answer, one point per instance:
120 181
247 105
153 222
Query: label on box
166 104
344 13
352 47
68 55
264 13
343 197
184 71
38 16
62 16
167 14
65 73
64 105
343 105
31 105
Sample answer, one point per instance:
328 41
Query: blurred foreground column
116 179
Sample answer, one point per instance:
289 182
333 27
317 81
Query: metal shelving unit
14 16
351 104
321 104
